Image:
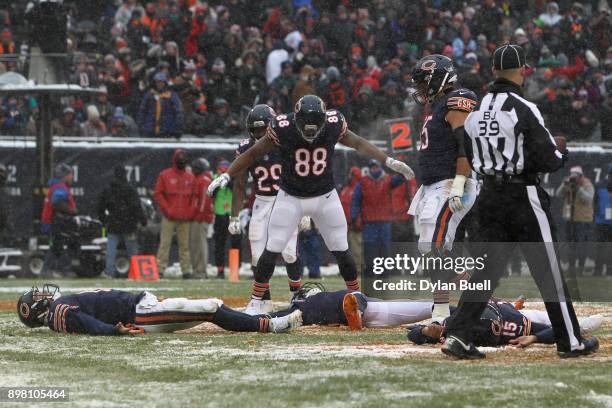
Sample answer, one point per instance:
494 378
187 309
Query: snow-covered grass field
311 367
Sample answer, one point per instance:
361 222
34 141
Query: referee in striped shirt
508 145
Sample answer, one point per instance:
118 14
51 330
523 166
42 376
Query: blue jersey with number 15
307 167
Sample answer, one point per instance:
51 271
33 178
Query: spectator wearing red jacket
174 192
354 234
202 218
402 227
198 27
372 202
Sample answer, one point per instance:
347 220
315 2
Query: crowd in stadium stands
173 67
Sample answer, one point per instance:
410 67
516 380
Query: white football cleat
286 323
259 307
590 324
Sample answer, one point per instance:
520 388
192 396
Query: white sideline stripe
532 193
21 289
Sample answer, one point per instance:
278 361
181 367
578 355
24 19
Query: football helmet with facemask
258 119
431 75
310 117
33 305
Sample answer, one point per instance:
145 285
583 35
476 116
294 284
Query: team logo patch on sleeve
461 104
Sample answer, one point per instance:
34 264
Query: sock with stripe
262 273
259 290
264 324
352 285
348 269
294 275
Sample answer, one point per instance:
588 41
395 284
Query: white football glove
456 193
304 224
234 226
219 182
400 167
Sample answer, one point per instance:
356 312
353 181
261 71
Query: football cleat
519 303
286 323
455 347
352 312
258 307
589 346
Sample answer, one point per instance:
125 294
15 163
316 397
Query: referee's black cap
509 56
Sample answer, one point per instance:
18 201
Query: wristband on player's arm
459 134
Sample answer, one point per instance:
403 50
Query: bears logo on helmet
431 75
24 310
33 305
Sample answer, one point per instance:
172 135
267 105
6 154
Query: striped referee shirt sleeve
547 158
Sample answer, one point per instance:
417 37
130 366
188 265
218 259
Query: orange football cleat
350 306
519 303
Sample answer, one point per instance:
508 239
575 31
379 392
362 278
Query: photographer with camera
577 193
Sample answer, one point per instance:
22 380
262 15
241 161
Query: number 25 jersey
266 170
307 167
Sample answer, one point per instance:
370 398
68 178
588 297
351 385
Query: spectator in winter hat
161 110
93 126
551 17
67 125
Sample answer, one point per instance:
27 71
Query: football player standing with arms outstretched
306 140
266 171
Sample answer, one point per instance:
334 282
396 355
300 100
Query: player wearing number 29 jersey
306 140
265 171
307 166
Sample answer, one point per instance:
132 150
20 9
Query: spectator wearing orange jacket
354 234
174 192
202 218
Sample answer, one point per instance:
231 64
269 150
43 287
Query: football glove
400 167
304 224
219 182
234 226
456 193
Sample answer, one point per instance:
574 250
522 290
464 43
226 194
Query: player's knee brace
346 264
265 266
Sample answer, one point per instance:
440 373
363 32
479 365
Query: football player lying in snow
110 311
502 324
306 141
352 309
